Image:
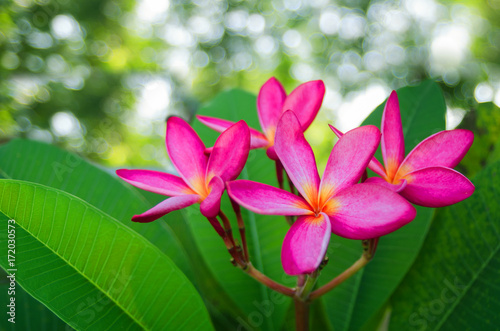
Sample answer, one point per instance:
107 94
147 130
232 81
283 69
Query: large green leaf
358 300
454 283
90 269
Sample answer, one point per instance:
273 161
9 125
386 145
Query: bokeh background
100 77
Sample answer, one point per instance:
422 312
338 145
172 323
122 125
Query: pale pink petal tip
305 101
270 103
210 206
305 244
165 207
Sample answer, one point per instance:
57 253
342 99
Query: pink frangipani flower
334 203
202 178
272 101
425 177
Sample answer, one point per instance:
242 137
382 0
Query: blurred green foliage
100 77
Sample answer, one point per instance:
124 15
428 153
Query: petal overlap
443 149
393 145
305 101
297 157
267 200
366 211
187 153
230 153
348 160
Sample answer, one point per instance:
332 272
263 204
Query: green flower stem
279 174
241 226
261 278
227 227
369 248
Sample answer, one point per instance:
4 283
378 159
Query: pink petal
393 145
210 206
270 105
187 152
305 244
443 149
348 160
366 211
266 199
437 187
305 101
271 153
166 206
230 153
297 157
393 187
155 181
257 139
374 164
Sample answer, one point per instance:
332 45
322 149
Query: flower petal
348 160
393 145
210 206
297 157
437 187
166 206
155 181
374 164
187 152
305 101
230 153
257 139
365 211
393 187
305 244
271 153
270 105
443 149
265 199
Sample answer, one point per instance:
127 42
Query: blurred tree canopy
101 77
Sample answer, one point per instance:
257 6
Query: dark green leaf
454 283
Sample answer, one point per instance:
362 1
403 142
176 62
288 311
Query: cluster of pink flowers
335 203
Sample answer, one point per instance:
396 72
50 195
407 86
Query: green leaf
358 300
453 284
90 269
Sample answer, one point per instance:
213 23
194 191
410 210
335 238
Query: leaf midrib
67 262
